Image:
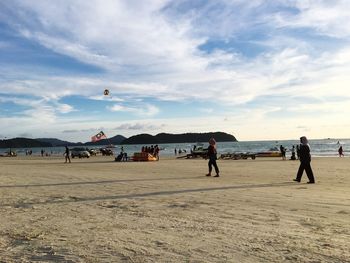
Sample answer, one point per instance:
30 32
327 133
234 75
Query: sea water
323 147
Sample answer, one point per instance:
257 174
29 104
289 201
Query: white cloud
166 59
138 126
106 98
289 72
143 110
330 18
76 50
37 111
65 108
151 50
120 33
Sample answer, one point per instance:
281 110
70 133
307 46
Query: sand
97 210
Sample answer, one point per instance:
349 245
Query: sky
259 70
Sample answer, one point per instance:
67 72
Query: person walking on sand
340 151
298 152
67 155
305 160
212 157
283 152
293 153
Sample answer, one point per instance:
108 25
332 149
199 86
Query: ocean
320 148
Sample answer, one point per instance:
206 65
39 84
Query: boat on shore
269 154
237 156
199 150
10 153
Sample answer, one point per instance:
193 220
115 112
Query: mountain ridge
142 138
179 138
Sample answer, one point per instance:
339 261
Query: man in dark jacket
305 160
212 158
67 154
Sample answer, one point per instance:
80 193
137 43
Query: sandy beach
97 210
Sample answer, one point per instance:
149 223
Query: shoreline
321 148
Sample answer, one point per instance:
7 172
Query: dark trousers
307 167
212 162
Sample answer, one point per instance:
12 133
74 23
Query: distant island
118 139
23 143
179 138
160 138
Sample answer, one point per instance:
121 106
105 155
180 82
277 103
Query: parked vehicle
9 154
93 152
269 154
238 156
80 152
106 152
199 151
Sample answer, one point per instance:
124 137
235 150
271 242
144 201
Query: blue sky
256 69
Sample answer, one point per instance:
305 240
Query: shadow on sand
97 182
150 194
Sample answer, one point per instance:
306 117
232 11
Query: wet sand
97 210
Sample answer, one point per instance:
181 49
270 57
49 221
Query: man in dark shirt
212 157
67 154
305 160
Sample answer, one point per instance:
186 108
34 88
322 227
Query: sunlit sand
97 210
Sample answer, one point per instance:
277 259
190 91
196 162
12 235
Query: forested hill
23 143
179 138
56 142
119 139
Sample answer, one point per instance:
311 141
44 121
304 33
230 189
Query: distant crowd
153 149
296 150
42 153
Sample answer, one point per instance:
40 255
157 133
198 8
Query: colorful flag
98 136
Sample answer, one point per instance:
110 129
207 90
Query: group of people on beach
29 152
122 157
44 153
179 151
295 152
302 150
304 156
154 150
